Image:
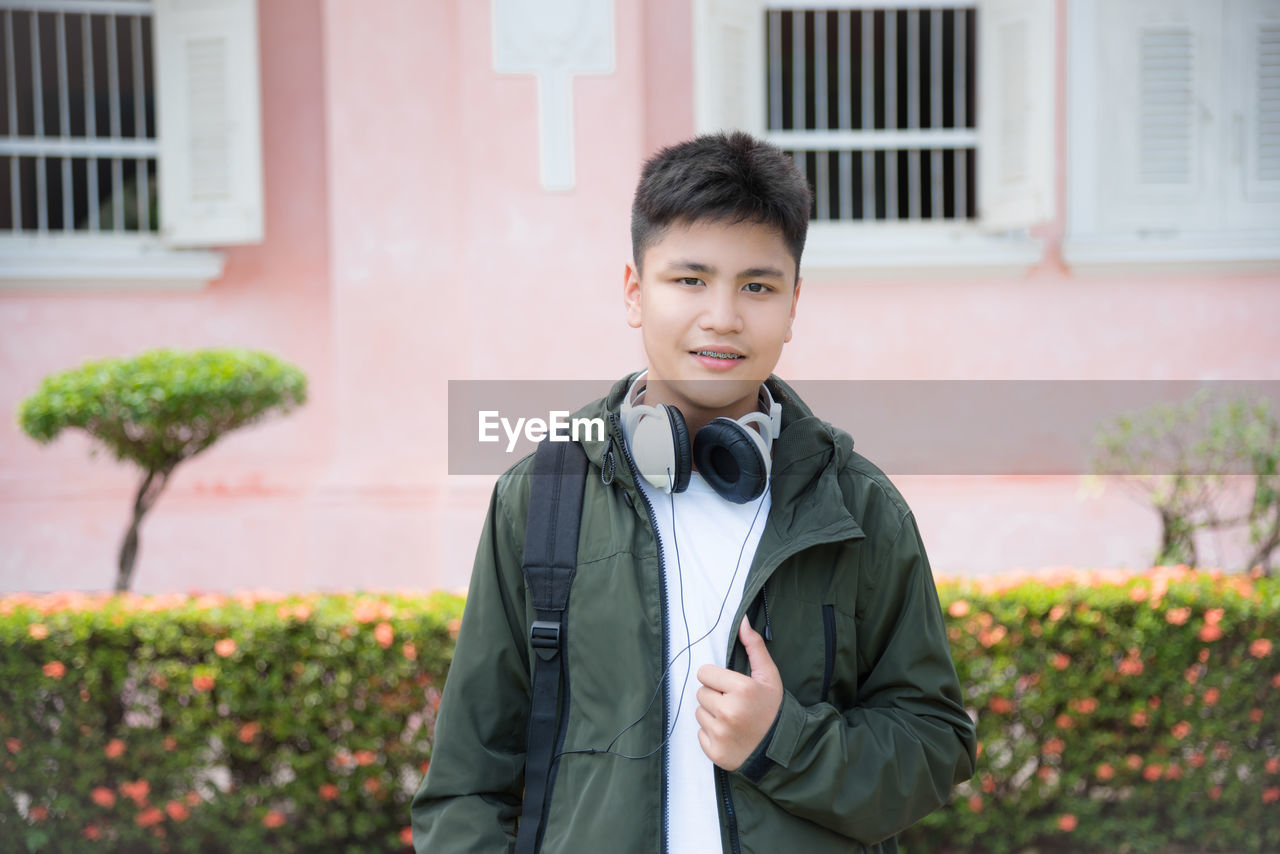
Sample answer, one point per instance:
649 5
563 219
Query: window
129 130
925 128
1174 134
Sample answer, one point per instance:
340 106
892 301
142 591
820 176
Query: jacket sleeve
873 770
471 795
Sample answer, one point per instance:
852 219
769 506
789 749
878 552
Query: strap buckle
545 634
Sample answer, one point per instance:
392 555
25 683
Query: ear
631 296
795 298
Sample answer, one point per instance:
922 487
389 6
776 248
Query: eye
692 281
756 288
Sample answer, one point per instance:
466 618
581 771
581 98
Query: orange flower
1215 792
384 634
38 631
373 785
958 608
149 817
1181 730
176 810
1275 681
328 791
1210 633
1086 705
1000 705
1061 660
1255 715
406 836
103 797
1153 772
1213 616
225 647
170 743
1134 761
1260 648
1271 794
114 749
202 682
988 783
136 791
1138 593
1196 760
192 798
1065 721
1105 772
1067 822
365 757
1054 747
249 731
55 670
273 818
1057 612
410 651
1130 665
39 812
975 803
1177 616
1138 718
1273 765
455 626
1211 697
91 832
13 744
1173 772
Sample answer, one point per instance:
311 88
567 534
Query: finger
705 719
719 678
757 653
708 698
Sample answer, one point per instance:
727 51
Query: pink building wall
409 243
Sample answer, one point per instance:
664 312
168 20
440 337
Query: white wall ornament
554 40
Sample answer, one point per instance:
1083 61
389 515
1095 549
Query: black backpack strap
550 560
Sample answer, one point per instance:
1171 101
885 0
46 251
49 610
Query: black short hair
722 177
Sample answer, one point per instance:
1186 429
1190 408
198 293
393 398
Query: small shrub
158 409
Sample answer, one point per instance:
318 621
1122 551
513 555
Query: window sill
1172 253
937 250
103 263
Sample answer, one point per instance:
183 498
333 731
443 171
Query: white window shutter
209 122
1157 105
728 65
1259 121
1016 48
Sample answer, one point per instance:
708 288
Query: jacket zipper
662 580
829 637
726 800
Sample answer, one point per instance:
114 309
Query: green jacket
872 733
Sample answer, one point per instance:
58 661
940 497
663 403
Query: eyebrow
749 273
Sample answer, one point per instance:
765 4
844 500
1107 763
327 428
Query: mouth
726 355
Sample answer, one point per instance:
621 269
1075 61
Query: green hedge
1134 713
217 724
1117 714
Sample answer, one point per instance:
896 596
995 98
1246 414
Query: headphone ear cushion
680 445
729 459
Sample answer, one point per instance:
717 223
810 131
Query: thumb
757 653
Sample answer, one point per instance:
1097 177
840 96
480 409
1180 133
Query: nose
720 313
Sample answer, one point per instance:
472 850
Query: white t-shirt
707 555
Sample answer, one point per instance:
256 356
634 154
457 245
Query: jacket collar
808 506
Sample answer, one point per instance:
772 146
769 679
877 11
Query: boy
756 659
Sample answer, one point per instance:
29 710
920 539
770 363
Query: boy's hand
735 711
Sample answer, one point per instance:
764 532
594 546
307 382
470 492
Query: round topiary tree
160 408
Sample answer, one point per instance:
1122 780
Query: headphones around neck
733 456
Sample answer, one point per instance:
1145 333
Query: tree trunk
148 492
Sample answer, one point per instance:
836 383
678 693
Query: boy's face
714 305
